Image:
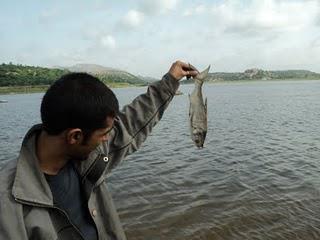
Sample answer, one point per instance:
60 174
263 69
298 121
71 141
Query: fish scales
198 110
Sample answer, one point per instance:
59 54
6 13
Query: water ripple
256 178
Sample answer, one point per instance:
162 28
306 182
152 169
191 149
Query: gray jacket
26 203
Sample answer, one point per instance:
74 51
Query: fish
198 114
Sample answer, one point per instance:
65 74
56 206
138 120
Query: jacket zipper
52 207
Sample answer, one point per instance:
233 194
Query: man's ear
74 136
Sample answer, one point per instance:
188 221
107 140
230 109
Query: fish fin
201 76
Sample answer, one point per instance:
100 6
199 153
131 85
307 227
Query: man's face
99 136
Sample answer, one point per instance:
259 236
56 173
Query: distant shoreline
186 82
261 80
42 88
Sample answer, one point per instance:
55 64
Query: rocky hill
259 74
108 75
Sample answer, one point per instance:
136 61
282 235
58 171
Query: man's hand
180 69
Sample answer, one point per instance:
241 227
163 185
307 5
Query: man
57 187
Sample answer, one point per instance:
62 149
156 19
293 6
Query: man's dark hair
77 100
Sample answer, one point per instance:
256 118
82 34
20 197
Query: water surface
258 176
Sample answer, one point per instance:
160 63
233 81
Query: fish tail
202 76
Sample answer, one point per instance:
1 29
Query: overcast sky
145 36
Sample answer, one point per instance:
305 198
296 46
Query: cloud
230 35
48 14
133 18
315 43
265 15
158 6
200 9
144 9
108 41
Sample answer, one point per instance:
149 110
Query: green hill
12 75
19 75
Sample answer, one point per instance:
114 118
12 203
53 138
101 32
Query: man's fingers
190 74
187 66
192 68
186 74
183 64
193 73
181 69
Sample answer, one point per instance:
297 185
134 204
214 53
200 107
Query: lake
257 177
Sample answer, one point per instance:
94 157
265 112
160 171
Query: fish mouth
198 138
198 143
199 146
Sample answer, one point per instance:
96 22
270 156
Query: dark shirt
67 195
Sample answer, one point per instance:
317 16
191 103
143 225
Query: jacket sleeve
137 119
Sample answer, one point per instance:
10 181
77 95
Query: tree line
19 75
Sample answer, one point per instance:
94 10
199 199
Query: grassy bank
43 88
23 89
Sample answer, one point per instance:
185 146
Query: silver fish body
198 111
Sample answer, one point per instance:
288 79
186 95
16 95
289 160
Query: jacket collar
30 183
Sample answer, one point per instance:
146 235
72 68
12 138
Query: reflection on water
257 177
